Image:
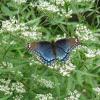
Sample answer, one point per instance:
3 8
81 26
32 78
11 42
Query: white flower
44 96
33 34
46 83
67 68
7 64
75 95
92 53
60 2
19 87
4 86
20 1
18 97
7 87
43 82
64 69
97 90
44 5
13 25
84 33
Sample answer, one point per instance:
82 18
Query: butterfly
49 52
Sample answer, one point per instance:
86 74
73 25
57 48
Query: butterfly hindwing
61 54
44 51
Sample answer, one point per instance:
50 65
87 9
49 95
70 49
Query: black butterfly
51 51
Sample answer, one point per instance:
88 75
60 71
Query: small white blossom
13 25
44 96
7 87
67 68
92 53
43 82
97 90
60 2
4 86
46 83
19 73
33 34
18 97
75 95
7 64
51 7
46 5
64 69
19 87
84 33
20 1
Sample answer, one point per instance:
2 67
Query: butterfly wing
64 47
44 51
61 54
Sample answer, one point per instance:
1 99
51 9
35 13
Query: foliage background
24 78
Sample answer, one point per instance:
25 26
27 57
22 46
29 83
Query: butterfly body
51 51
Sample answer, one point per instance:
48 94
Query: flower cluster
20 1
33 34
51 7
43 82
75 95
45 5
18 87
59 2
97 90
84 33
44 96
7 87
64 69
4 86
67 68
90 52
7 64
13 25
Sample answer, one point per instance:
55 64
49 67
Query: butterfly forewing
44 50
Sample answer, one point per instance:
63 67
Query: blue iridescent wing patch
43 50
